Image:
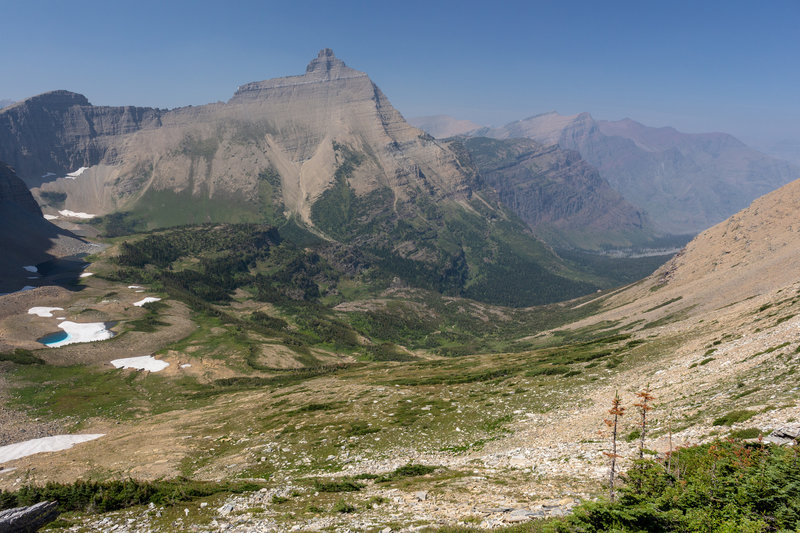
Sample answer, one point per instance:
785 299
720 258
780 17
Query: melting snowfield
73 175
45 444
50 217
31 268
146 300
76 214
76 332
145 362
44 312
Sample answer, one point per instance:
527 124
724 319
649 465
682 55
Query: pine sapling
668 463
616 412
644 397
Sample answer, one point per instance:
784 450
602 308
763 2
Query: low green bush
101 497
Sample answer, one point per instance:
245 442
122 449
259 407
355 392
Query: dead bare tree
616 411
643 404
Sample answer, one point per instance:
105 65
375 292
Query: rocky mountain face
443 126
55 133
559 195
684 182
26 238
324 150
13 192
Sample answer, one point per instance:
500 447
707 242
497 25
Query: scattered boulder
786 436
28 519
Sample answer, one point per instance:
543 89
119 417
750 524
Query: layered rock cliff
55 133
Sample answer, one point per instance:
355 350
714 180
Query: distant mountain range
684 182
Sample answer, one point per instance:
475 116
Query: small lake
53 338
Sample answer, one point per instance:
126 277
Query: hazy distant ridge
685 182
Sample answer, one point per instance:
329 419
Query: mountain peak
325 61
323 68
327 66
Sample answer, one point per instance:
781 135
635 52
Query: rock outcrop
28 519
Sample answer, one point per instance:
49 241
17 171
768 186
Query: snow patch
44 312
146 300
88 332
76 214
73 175
31 268
87 274
48 175
185 365
135 287
50 217
45 444
145 362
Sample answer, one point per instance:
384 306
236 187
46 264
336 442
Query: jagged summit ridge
326 67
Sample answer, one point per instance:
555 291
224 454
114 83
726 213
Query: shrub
21 357
342 506
337 485
747 433
101 497
734 417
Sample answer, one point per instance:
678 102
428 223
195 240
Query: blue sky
699 66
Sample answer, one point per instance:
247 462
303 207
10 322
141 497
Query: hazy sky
697 65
